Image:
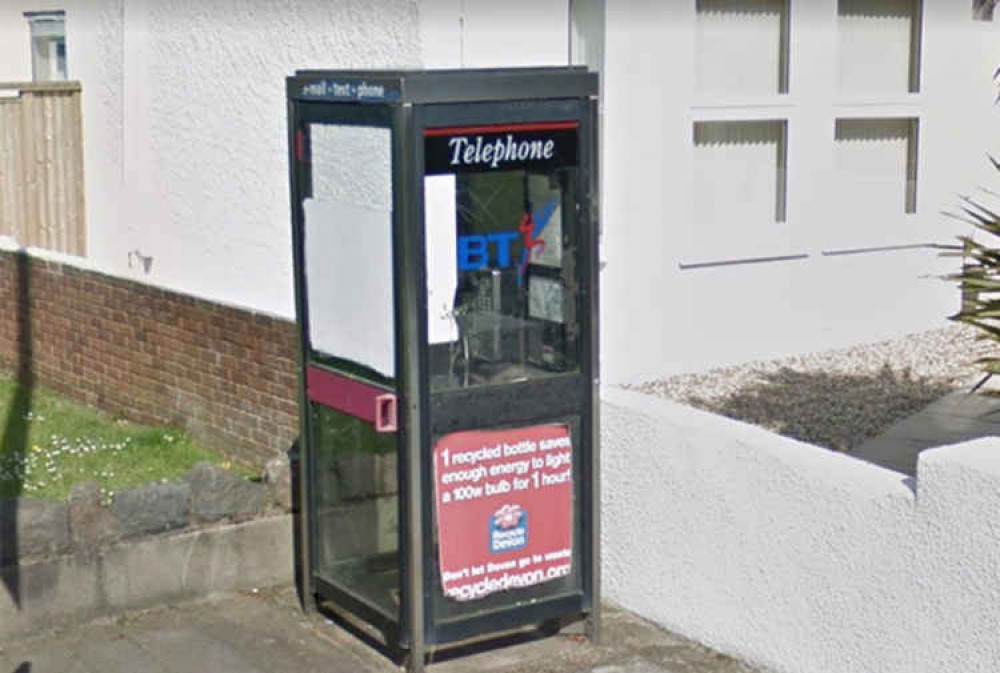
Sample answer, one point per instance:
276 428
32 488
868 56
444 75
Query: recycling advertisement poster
504 509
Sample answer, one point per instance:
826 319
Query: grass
48 444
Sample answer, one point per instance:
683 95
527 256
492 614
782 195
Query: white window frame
48 45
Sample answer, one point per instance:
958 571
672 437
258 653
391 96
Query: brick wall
226 375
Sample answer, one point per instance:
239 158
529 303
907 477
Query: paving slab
265 632
895 453
957 417
115 654
983 407
635 665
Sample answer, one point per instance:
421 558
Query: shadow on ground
14 436
835 411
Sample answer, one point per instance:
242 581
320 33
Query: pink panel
349 396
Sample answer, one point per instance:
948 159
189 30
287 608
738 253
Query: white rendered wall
490 34
873 45
671 206
15 45
207 134
185 118
795 558
736 46
186 153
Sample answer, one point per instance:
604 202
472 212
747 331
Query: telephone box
445 254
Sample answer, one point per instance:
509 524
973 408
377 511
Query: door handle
386 412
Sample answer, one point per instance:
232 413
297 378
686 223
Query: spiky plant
982 10
979 279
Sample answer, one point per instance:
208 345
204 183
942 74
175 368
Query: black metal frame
407 103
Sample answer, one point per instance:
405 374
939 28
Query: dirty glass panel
502 246
347 242
356 501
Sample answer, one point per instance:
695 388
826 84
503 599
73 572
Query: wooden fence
41 166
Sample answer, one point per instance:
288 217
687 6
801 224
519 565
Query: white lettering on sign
366 90
346 90
494 152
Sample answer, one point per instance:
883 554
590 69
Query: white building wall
207 134
488 34
186 159
185 119
687 224
795 558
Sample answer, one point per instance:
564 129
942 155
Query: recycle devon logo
508 529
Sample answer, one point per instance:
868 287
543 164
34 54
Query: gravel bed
836 399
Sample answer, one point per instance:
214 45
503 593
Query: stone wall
226 375
37 529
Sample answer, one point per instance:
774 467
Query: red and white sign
504 509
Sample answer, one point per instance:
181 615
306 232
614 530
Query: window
48 45
502 238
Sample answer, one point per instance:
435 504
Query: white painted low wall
796 558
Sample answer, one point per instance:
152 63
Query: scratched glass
347 249
507 312
347 241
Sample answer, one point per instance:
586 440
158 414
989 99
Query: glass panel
347 237
501 253
61 60
356 499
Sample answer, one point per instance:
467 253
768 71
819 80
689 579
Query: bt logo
476 251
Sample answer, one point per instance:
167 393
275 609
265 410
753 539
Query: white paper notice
441 232
348 251
545 299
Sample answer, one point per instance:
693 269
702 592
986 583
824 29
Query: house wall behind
671 206
15 48
185 119
184 125
206 136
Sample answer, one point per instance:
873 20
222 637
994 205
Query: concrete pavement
265 632
954 418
